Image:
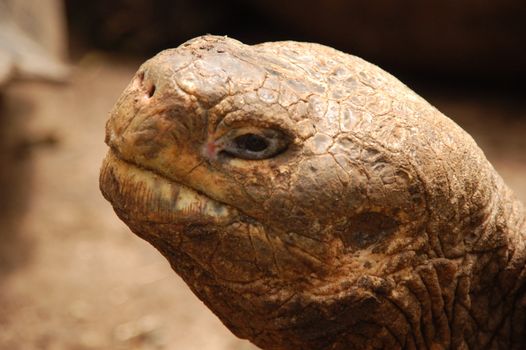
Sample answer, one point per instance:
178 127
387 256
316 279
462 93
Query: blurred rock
32 40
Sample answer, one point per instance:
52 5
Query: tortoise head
297 190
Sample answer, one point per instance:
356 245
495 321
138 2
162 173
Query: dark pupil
251 142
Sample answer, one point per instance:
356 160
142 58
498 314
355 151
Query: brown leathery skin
380 226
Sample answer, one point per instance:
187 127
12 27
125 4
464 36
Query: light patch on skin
306 129
190 202
347 119
319 143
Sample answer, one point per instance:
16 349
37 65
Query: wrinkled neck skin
481 304
382 226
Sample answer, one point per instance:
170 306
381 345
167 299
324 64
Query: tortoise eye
251 143
254 144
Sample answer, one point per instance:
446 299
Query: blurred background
72 276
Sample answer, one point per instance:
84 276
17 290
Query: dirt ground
72 276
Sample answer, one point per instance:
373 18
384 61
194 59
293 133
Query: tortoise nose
145 85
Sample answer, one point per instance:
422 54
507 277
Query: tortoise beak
147 196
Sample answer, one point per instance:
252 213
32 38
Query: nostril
145 85
150 90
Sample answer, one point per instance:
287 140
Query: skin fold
312 201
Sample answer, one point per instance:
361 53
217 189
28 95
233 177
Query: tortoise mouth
147 196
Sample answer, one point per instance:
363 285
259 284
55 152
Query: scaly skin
380 226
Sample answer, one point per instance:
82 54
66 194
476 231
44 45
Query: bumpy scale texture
374 223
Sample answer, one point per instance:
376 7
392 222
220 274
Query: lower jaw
144 195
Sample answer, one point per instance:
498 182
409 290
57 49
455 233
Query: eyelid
239 120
